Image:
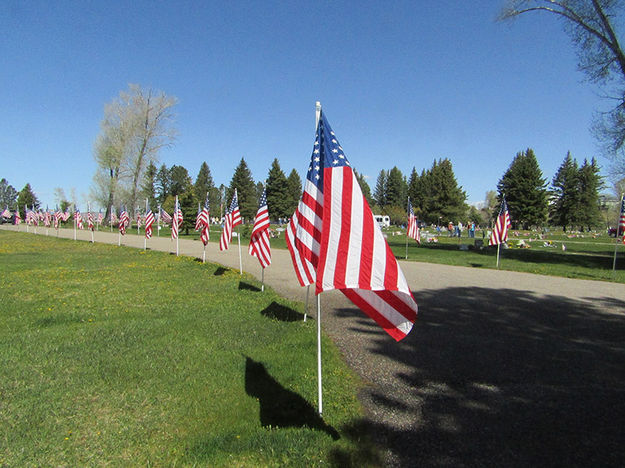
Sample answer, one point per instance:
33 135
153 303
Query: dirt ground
500 369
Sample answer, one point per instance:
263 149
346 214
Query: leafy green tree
8 195
445 199
278 196
566 199
525 190
246 189
163 184
180 180
379 193
26 197
295 192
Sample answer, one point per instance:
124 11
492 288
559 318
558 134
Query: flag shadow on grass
282 313
220 271
280 407
497 377
243 286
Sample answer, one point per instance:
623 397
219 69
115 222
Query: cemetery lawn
117 356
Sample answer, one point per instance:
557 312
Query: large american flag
500 231
78 218
149 220
413 230
259 242
202 223
176 220
621 222
232 219
124 220
336 243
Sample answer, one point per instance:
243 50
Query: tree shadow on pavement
280 407
500 378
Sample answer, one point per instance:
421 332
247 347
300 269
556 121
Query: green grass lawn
116 356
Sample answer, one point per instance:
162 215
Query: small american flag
18 219
6 213
203 222
78 218
336 243
621 221
66 214
113 215
138 220
176 220
57 216
500 232
149 220
124 221
232 219
100 217
90 220
165 216
259 242
413 230
46 218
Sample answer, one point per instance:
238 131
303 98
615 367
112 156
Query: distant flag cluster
502 226
232 219
413 229
335 242
78 218
259 241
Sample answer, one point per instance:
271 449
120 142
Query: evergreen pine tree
246 191
379 194
148 187
364 186
590 184
445 198
204 184
26 197
278 196
525 190
565 206
163 184
294 192
395 188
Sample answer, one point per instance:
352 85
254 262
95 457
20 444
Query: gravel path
500 369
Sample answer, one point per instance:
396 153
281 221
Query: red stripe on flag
345 220
366 255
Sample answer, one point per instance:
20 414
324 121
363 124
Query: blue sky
401 83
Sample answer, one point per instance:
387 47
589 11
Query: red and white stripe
176 220
259 241
502 226
232 219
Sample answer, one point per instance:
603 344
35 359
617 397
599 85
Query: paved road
500 369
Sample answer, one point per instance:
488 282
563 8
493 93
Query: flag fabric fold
336 243
232 219
259 241
202 222
621 221
502 226
176 220
78 218
413 230
149 221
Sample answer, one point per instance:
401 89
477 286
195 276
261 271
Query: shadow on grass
220 271
280 407
243 286
283 313
500 378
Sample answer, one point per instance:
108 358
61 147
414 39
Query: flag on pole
113 216
66 214
46 218
176 220
78 218
198 218
232 219
621 221
500 232
149 220
100 216
336 243
413 230
18 218
165 216
203 222
6 213
138 220
124 220
90 224
57 217
259 242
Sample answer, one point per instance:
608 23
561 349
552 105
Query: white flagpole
319 375
88 214
111 218
498 245
158 222
74 222
145 239
407 227
306 308
138 218
616 234
178 226
204 254
240 261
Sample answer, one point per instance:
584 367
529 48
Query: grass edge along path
119 356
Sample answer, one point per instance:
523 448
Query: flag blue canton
234 203
327 152
206 203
